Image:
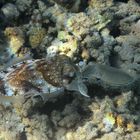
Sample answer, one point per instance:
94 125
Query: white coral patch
52 50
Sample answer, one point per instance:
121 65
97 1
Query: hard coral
36 36
69 47
78 27
120 121
100 3
16 39
87 132
109 121
65 45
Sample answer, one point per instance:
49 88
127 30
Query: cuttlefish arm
78 85
107 74
6 100
32 94
15 61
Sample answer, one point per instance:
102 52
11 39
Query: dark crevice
23 136
113 59
1 3
35 54
73 5
100 91
25 16
115 31
92 59
125 1
137 1
83 5
48 3
59 104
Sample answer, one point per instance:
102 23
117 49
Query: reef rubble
103 32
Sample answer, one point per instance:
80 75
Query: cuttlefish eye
68 73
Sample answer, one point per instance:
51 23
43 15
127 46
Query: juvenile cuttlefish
43 77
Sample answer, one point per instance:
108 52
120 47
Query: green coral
36 36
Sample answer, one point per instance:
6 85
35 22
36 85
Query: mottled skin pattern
42 76
56 70
21 78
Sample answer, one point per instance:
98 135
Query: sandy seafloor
103 31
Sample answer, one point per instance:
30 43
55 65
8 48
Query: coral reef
16 40
10 125
100 3
76 27
67 47
13 49
65 44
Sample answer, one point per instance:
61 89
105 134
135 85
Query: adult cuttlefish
49 77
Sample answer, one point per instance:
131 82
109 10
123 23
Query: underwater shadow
101 92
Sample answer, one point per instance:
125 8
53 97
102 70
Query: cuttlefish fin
79 86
